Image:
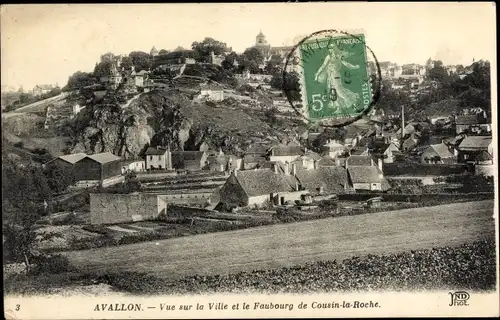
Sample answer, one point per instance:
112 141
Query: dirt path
297 243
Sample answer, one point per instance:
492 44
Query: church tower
154 52
260 40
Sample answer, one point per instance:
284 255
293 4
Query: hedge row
466 267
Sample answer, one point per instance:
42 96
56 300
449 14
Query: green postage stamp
336 82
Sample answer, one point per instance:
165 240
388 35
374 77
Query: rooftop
73 158
364 174
262 182
442 150
104 157
330 179
475 143
359 160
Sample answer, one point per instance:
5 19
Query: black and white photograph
247 160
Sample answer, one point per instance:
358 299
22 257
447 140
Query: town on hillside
169 143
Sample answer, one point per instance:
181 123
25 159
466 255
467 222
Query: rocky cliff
170 117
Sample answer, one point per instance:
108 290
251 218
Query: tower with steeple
154 52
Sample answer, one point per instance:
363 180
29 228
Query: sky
45 44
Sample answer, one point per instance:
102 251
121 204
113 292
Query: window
159 157
150 157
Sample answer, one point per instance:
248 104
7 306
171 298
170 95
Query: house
189 160
256 188
103 168
409 129
360 160
216 59
158 158
252 161
67 161
437 153
470 148
367 178
333 148
484 158
285 153
39 90
140 78
234 162
308 160
323 180
212 93
106 208
472 124
389 152
410 143
133 166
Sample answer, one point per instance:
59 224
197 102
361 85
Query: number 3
18 307
318 96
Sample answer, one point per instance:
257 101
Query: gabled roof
364 174
104 157
253 158
73 158
311 155
286 150
468 119
152 151
484 156
261 182
360 160
327 162
331 179
441 150
475 143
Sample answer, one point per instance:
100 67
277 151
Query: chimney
235 172
287 168
380 164
294 169
315 164
371 162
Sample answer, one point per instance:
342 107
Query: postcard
249 160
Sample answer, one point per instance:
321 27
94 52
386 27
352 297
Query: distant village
285 173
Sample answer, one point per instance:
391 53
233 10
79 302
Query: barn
68 161
98 167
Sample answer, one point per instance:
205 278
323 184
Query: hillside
169 117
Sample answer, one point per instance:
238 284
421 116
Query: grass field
291 244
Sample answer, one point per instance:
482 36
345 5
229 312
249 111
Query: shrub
19 144
52 264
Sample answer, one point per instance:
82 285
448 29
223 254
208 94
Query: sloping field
297 243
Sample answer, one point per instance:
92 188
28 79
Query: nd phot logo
459 298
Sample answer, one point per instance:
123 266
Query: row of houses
283 183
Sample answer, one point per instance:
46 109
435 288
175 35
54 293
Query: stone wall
106 208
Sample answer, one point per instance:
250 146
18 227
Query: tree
126 63
102 69
438 73
163 51
80 79
208 45
59 178
251 59
274 65
229 60
141 60
289 84
22 189
108 57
